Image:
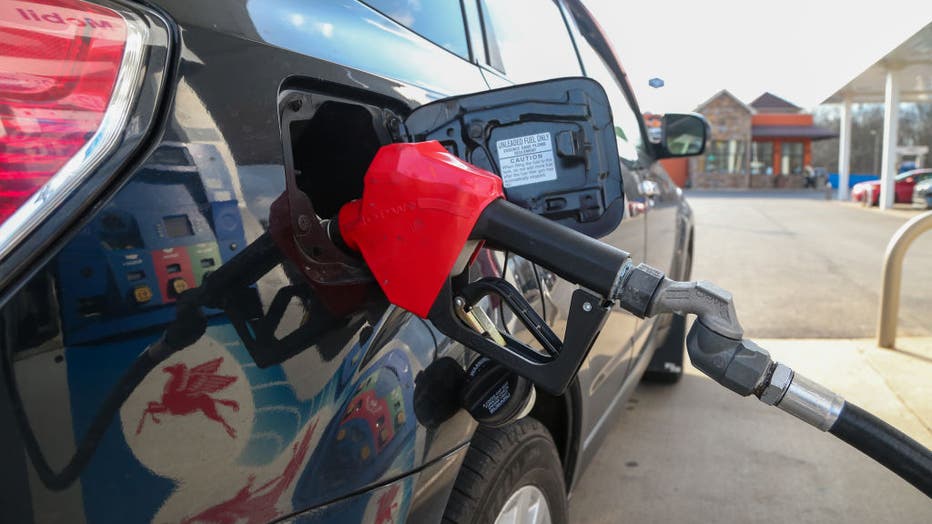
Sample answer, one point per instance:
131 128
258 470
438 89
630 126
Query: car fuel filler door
552 143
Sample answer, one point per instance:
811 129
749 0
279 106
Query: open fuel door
552 143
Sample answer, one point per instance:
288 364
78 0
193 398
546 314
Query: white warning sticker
526 160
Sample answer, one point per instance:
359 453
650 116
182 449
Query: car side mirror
683 135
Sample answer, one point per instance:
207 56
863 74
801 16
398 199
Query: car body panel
220 162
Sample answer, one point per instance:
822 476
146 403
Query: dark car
902 192
146 145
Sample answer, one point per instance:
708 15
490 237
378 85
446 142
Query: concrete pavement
805 274
695 452
800 266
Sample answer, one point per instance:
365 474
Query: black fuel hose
85 450
189 325
572 255
885 444
184 331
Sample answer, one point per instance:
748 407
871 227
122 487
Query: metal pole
893 274
891 118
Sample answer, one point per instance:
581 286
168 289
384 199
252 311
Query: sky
800 50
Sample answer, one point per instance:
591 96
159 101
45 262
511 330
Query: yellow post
893 274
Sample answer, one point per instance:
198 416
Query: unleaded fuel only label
526 160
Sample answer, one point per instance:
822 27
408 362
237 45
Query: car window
627 122
916 176
440 21
532 42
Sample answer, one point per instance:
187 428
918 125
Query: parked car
903 188
922 194
147 144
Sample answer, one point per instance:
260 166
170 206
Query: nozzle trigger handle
552 372
537 326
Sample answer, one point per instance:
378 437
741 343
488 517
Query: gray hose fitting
740 365
715 342
646 292
637 288
717 347
802 398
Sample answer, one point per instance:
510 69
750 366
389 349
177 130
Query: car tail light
69 74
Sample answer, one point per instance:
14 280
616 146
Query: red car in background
903 188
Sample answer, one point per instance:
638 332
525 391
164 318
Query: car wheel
510 475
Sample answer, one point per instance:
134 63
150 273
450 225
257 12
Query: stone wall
778 181
728 181
729 119
718 181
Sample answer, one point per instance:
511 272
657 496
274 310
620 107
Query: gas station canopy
902 75
912 62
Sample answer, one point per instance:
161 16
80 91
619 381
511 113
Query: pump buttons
177 286
142 294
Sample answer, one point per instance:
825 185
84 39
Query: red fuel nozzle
418 208
423 214
421 207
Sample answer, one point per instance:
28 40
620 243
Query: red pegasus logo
387 506
188 390
254 505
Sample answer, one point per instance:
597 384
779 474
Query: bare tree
915 128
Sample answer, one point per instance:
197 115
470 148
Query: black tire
498 463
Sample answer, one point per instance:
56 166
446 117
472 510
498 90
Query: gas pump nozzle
424 213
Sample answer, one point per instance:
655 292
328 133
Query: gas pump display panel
173 224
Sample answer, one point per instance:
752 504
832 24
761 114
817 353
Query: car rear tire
510 475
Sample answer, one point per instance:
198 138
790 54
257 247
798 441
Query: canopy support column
891 117
844 150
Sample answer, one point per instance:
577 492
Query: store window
532 40
725 156
762 158
440 21
791 158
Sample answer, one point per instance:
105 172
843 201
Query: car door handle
649 188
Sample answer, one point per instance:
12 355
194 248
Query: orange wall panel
781 119
777 154
676 168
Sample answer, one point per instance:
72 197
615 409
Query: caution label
526 160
